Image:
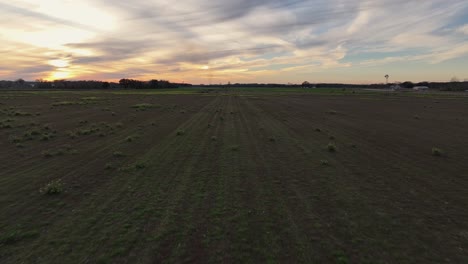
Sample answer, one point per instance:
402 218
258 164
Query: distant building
395 87
420 88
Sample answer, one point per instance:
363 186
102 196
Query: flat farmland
232 176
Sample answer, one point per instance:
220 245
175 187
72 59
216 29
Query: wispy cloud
249 40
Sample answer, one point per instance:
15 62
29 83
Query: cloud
463 29
243 39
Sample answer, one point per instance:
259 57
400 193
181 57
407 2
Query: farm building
420 88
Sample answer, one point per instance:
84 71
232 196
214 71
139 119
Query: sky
242 41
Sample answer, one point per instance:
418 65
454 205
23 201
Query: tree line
90 85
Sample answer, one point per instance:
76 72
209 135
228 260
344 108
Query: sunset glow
261 41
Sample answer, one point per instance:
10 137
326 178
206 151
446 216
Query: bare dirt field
233 177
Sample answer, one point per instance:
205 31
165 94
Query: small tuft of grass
234 147
214 138
180 132
118 154
318 130
331 147
47 153
140 165
130 139
45 137
272 139
109 166
332 112
331 137
63 103
324 163
437 152
143 107
416 117
52 188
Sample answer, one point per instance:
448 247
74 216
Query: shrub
129 139
15 139
53 187
331 147
437 152
118 154
109 166
140 165
324 162
318 130
47 154
180 132
45 137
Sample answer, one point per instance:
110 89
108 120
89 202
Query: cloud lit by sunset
200 41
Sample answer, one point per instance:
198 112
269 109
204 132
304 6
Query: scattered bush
437 152
118 154
331 147
45 137
53 187
143 107
109 166
140 165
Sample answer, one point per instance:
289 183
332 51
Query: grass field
233 176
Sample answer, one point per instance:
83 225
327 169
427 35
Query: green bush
53 187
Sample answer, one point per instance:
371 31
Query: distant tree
407 84
306 84
454 79
105 85
153 84
386 77
19 82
